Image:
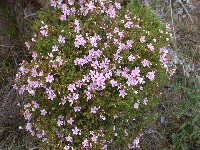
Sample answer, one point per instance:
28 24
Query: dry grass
187 46
16 18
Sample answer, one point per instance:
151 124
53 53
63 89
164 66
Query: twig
33 148
11 50
186 11
5 46
30 15
172 20
13 141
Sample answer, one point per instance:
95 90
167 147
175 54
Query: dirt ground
16 17
15 20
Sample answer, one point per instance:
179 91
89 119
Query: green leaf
135 3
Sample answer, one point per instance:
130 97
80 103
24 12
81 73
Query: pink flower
85 143
163 59
109 35
131 58
22 70
70 121
94 109
22 89
59 60
61 39
72 87
129 24
136 105
79 84
111 11
131 81
113 83
145 101
129 43
72 98
95 54
27 115
35 105
44 32
34 55
80 61
68 138
141 80
168 26
151 75
93 41
28 127
89 95
41 73
77 29
105 147
76 22
108 74
34 72
53 3
59 2
63 17
150 46
95 64
136 142
127 17
77 109
146 63
118 5
50 93
94 138
54 48
31 92
163 50
49 78
122 93
142 39
67 147
90 6
75 96
75 131
63 100
65 9
121 34
116 30
70 2
98 79
60 122
125 72
79 40
115 116
135 72
121 47
43 112
86 78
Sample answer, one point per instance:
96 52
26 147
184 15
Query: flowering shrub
94 72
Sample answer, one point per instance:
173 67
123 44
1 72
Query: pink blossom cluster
85 8
163 57
44 29
103 61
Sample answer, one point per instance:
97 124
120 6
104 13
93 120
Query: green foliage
188 134
119 118
11 24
